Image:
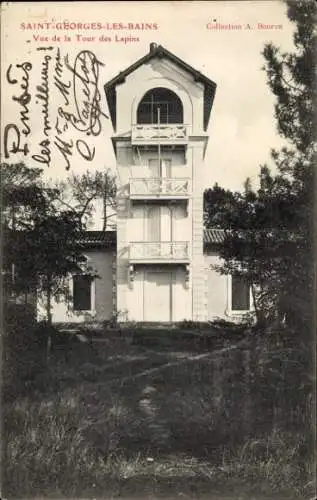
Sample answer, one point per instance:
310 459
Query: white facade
160 263
159 270
100 292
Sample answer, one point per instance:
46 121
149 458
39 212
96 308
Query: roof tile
214 236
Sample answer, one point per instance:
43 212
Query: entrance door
158 296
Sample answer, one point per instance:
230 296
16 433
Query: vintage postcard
157 281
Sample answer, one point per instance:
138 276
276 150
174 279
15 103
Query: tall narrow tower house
160 109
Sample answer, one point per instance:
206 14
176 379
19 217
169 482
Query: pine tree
269 239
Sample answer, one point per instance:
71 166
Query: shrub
23 349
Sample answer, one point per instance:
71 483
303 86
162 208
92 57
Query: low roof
99 239
107 239
214 236
157 51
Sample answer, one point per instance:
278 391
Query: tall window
160 169
160 105
159 224
82 292
240 294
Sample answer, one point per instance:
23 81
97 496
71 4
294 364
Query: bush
23 349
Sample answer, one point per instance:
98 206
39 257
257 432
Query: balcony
159 188
163 134
170 252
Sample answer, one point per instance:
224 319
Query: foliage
224 416
41 243
23 349
269 229
80 193
218 203
23 195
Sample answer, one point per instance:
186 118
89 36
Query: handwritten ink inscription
43 96
12 133
87 96
65 126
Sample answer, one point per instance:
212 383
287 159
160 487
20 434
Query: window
162 169
159 224
240 294
82 292
160 105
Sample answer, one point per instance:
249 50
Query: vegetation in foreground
114 419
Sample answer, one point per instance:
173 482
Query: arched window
160 105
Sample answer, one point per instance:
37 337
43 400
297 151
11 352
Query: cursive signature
86 94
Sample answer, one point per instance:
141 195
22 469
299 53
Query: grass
138 421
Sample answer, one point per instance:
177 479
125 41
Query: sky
242 128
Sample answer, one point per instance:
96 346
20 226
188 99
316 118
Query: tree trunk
49 319
104 227
258 313
49 305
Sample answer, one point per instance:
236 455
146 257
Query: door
153 232
159 232
154 168
159 224
161 171
166 168
158 296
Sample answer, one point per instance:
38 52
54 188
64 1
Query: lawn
164 419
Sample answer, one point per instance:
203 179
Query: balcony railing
168 133
159 251
161 187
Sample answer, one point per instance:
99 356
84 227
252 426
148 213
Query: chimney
153 47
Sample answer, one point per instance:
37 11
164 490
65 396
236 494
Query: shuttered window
240 294
82 292
162 169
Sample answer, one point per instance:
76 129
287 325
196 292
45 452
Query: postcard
133 135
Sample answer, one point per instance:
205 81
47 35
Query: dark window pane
240 294
169 104
82 293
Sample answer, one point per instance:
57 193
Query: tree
23 194
220 206
56 253
269 237
79 193
292 80
41 242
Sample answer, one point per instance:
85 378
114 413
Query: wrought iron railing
159 250
159 133
161 186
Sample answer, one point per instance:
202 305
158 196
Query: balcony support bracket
187 275
131 275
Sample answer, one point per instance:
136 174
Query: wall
102 262
218 292
161 73
216 287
